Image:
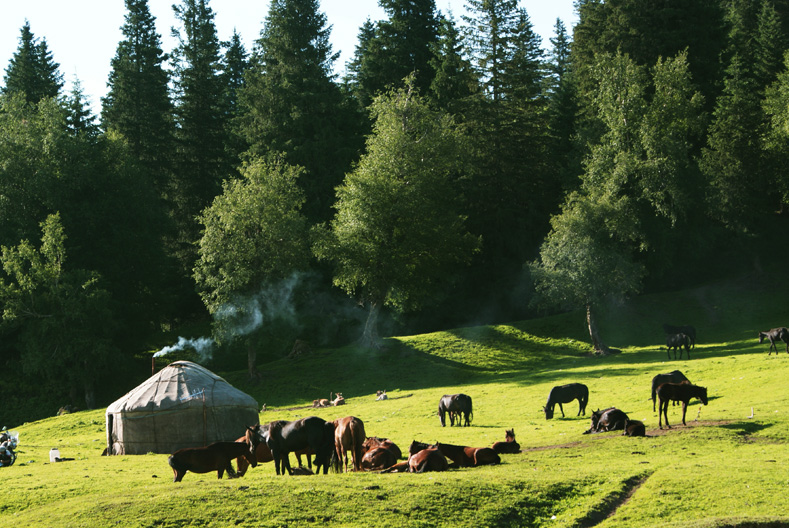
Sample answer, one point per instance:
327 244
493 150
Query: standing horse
677 341
775 335
311 432
215 457
455 403
566 394
349 436
681 392
674 376
509 446
688 330
464 456
263 455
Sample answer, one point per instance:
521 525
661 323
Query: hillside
727 467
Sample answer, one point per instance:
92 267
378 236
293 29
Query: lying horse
455 403
634 428
674 376
684 329
215 457
775 335
566 394
509 446
349 436
430 459
464 456
676 342
311 432
681 392
379 453
263 455
611 419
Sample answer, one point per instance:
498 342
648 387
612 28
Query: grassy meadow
727 467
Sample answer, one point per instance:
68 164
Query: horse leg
684 408
561 409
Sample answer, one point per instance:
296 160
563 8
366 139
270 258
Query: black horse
688 330
674 376
775 335
681 392
677 341
611 419
284 437
455 405
565 394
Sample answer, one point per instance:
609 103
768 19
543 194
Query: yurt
182 405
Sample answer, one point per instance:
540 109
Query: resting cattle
674 376
215 457
284 437
688 330
566 394
455 405
349 436
509 446
635 428
775 335
677 342
681 392
611 419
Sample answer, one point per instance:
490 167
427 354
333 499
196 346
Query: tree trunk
90 395
599 347
370 337
252 356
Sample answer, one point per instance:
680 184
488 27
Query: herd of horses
339 442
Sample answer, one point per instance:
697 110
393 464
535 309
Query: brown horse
283 437
634 428
349 436
379 453
263 455
464 456
430 459
674 376
215 457
680 392
509 446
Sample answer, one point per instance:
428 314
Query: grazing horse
465 456
455 405
215 457
681 392
509 446
263 455
688 330
611 419
775 335
566 394
430 459
634 428
283 437
674 376
349 436
677 341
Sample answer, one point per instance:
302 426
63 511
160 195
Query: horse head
703 395
548 412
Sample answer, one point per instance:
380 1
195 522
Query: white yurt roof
182 405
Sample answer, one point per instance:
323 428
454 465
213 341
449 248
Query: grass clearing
723 469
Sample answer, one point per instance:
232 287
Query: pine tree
291 105
32 70
235 65
79 118
201 117
454 82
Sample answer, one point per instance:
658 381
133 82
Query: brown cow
349 436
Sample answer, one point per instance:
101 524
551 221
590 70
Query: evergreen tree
454 82
79 118
292 106
201 117
235 64
137 105
399 46
32 70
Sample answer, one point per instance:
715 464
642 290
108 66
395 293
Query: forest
456 174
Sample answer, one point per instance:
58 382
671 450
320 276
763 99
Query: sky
83 35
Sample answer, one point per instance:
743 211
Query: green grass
723 469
